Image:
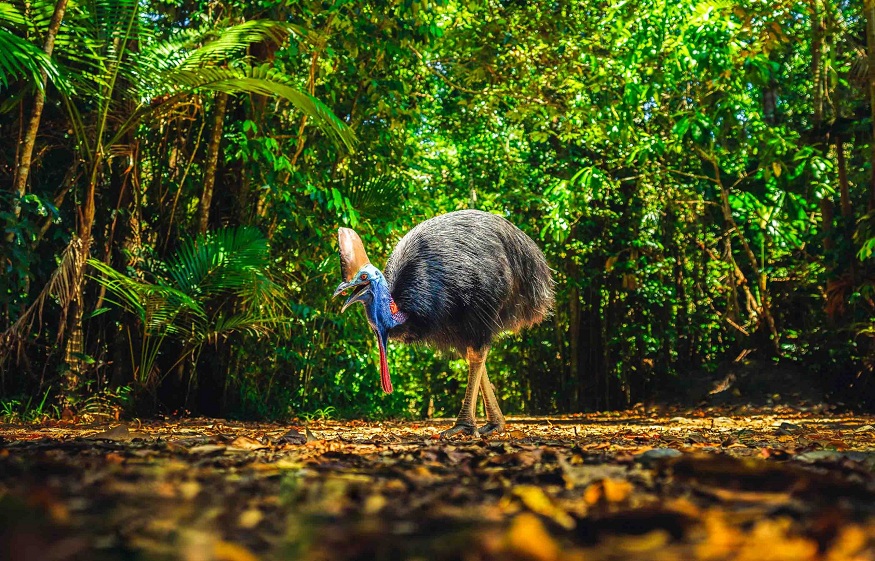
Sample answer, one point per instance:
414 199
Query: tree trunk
575 400
844 187
869 13
212 161
22 170
816 66
849 222
827 210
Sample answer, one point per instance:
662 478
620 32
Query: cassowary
455 282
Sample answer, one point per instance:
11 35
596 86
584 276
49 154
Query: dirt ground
710 485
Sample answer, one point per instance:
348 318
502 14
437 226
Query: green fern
20 58
215 285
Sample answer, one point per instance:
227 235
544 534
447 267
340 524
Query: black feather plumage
464 277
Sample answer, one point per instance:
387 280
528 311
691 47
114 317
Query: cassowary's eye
364 276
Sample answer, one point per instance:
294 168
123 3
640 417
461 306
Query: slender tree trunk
848 220
827 210
22 170
212 161
764 306
574 385
844 188
74 351
869 12
816 66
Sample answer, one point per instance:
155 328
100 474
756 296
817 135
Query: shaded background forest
699 175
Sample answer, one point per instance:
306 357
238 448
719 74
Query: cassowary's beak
361 290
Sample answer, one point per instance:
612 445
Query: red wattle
385 380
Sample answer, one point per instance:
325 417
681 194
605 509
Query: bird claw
464 428
491 428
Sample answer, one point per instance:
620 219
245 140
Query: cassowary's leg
494 418
465 421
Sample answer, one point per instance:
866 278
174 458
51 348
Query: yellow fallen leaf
593 493
654 539
617 490
784 545
721 538
189 489
527 538
848 545
609 490
227 551
250 518
247 443
538 502
374 503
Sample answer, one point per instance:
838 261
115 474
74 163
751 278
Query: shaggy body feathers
464 277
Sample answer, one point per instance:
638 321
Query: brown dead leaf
114 458
523 458
120 432
292 436
247 443
207 449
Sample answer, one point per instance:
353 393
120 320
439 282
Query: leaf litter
713 485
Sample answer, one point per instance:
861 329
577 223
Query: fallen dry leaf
608 490
536 500
528 539
247 443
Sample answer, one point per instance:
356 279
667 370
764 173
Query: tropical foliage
700 176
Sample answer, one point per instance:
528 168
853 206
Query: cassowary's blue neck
382 312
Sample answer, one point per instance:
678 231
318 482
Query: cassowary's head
370 288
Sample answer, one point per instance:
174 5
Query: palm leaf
263 80
219 262
250 323
21 59
62 287
161 309
376 196
10 16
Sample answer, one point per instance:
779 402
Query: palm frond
376 196
62 286
161 309
263 80
219 262
196 47
249 323
22 59
230 262
10 16
233 41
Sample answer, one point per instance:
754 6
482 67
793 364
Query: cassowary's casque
455 281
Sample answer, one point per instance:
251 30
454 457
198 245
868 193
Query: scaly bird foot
491 428
464 428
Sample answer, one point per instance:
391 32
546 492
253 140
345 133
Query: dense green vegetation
700 176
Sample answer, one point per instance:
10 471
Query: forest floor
767 484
